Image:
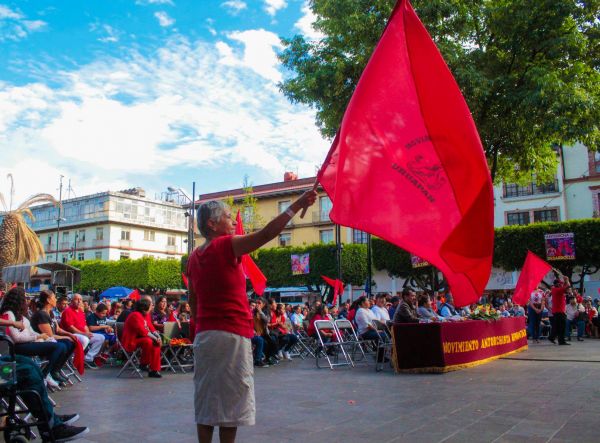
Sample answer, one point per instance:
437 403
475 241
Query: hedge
146 273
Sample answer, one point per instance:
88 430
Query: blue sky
152 93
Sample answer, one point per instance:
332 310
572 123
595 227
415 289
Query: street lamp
190 243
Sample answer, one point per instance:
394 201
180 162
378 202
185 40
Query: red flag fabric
251 269
532 274
185 279
78 357
337 285
135 295
407 164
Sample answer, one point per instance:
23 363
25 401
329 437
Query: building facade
112 226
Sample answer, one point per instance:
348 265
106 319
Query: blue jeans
533 323
53 352
580 328
259 344
287 342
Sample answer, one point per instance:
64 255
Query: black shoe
273 361
68 419
260 364
144 367
551 340
569 338
91 365
65 433
579 339
59 377
563 343
154 374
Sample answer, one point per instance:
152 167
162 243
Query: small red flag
337 285
78 357
185 280
532 274
407 164
251 269
134 295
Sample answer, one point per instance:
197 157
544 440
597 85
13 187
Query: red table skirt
448 346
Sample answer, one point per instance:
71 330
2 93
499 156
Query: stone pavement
548 393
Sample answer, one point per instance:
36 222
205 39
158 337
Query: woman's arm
244 244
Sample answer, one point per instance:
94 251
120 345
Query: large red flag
185 280
251 269
407 164
337 285
532 274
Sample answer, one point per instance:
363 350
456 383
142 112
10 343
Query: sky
151 93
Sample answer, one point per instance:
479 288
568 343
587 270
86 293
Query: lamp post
192 201
59 217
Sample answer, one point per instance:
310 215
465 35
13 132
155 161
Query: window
81 235
49 239
80 256
125 235
285 239
149 235
282 206
359 236
98 255
517 218
65 258
545 215
99 233
171 240
248 215
124 256
326 236
65 237
324 208
597 161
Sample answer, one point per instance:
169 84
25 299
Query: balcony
171 249
321 217
125 243
511 190
97 242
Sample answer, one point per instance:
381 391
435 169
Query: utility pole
75 247
338 256
369 265
192 220
59 215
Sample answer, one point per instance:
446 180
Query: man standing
379 310
559 305
73 320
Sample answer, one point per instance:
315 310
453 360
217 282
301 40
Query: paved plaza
548 393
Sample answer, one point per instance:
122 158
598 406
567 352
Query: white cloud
163 19
305 24
107 34
15 26
272 6
234 6
154 2
210 26
115 123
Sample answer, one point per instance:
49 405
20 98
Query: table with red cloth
449 346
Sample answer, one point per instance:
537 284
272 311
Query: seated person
297 318
447 309
425 311
98 323
407 312
73 321
277 326
319 313
30 378
61 304
261 329
380 310
43 322
113 309
137 334
364 322
27 341
160 315
127 309
575 317
184 312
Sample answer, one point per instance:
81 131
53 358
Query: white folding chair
330 347
355 347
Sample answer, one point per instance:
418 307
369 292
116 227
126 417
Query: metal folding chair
384 345
132 359
351 342
333 348
167 353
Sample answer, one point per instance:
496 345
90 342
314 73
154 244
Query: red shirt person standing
559 305
223 366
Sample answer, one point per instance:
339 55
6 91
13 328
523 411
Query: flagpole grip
314 188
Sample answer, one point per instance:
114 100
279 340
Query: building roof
261 191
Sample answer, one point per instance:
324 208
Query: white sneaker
287 356
280 355
51 382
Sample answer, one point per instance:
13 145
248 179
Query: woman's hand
18 325
43 336
307 199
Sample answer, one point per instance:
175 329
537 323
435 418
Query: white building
112 226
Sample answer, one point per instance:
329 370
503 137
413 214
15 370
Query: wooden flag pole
314 188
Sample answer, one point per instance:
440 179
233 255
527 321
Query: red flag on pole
252 271
337 285
532 274
407 164
185 280
135 295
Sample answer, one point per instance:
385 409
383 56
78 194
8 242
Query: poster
300 264
560 246
418 262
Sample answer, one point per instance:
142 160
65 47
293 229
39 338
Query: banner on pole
418 262
560 246
300 264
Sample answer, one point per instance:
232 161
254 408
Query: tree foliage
248 207
529 70
146 273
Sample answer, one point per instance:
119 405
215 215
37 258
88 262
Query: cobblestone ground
548 393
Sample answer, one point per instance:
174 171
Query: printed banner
300 264
560 246
418 262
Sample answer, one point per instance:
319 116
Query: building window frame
149 235
516 218
326 236
125 234
100 233
359 237
284 239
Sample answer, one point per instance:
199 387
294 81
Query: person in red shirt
224 369
559 305
277 327
73 320
137 334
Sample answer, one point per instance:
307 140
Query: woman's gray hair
211 210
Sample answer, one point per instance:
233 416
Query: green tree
529 70
247 207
